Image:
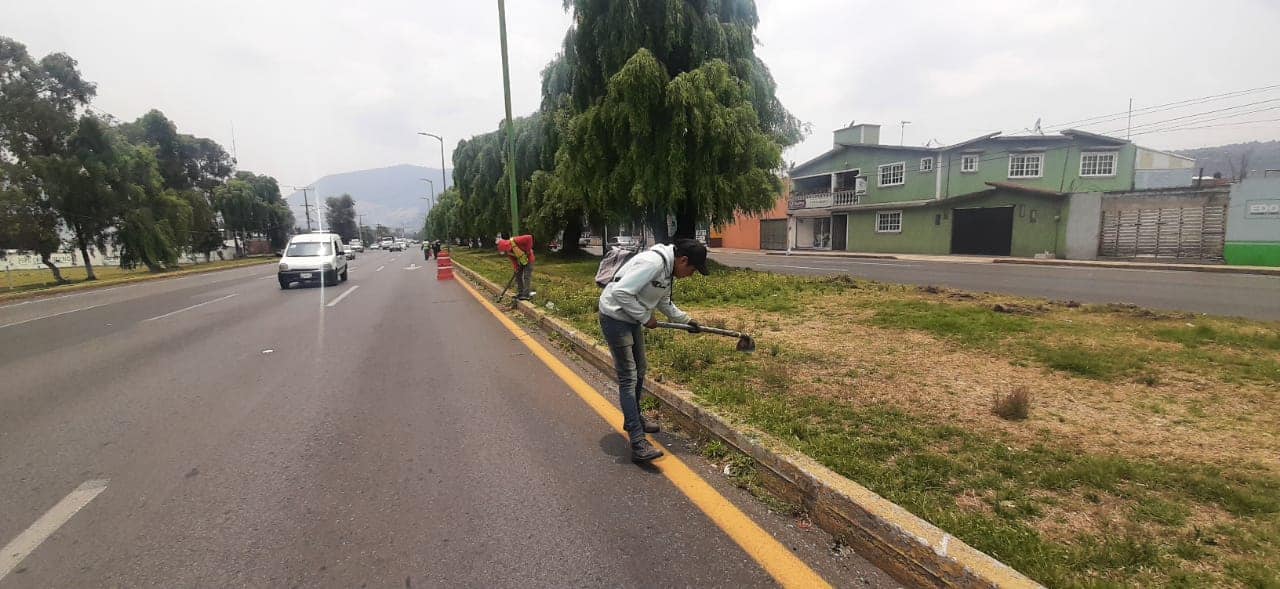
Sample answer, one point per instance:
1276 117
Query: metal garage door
773 234
1187 233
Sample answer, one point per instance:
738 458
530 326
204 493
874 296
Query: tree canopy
654 110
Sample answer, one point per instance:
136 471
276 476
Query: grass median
1149 454
18 284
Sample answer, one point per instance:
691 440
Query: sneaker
649 426
643 451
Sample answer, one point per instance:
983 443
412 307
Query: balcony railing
826 200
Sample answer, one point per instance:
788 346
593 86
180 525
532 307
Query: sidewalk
1221 269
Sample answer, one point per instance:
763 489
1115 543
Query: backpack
613 262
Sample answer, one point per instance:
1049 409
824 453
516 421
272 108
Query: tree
154 223
27 223
87 186
340 216
39 102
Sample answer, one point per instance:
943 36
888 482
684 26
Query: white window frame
1115 161
1039 157
965 159
926 164
880 170
885 214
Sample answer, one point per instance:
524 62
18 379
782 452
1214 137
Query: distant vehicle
313 257
386 241
623 241
584 241
396 246
356 245
348 253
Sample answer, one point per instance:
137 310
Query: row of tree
653 110
70 176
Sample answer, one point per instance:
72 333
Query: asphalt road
384 432
1243 295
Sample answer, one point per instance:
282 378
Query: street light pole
511 132
433 190
444 184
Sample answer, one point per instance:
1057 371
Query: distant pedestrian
520 252
626 305
435 248
426 250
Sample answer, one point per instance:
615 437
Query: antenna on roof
1037 129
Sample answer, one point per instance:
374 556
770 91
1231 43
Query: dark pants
626 344
524 280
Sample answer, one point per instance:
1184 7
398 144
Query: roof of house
1066 135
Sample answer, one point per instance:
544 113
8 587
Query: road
214 430
1243 295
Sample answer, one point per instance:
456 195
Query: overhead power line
1096 120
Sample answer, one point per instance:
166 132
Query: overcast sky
324 86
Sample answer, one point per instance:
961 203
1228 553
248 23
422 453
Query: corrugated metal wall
773 234
1181 233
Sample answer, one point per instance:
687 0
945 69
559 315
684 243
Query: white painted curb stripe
26 542
197 305
342 296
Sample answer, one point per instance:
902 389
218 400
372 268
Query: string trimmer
745 343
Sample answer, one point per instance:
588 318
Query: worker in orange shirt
520 251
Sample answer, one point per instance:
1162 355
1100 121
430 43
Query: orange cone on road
444 266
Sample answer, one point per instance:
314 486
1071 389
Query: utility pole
306 204
511 132
360 230
1129 127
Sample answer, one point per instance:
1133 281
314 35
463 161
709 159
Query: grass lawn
1150 455
23 281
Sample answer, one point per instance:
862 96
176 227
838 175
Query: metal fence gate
773 234
1184 233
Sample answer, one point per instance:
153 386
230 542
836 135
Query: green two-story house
990 195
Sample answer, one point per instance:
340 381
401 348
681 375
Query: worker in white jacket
642 285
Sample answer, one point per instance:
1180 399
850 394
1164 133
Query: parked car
313 257
623 241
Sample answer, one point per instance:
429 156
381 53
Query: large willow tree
653 109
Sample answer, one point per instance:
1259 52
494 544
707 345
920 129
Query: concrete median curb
911 549
1145 266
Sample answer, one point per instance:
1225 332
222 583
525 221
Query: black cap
696 252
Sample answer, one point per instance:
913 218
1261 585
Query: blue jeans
626 343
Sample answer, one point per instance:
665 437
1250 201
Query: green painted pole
511 131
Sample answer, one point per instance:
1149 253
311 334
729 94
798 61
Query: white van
313 257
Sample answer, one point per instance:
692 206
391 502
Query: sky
318 87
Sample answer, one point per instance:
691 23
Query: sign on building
1263 209
819 202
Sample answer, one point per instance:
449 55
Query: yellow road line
785 568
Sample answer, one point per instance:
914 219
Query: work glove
694 327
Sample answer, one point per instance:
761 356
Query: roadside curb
834 256
909 548
1145 266
97 284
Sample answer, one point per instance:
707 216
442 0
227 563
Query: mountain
391 196
1225 159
